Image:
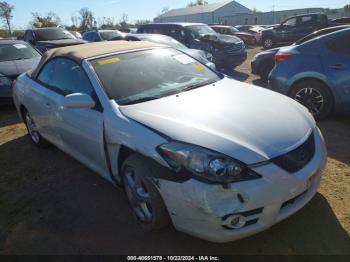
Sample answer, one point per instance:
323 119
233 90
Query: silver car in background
218 158
16 57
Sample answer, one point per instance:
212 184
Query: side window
307 20
65 77
29 36
340 45
70 78
176 33
290 23
95 37
46 74
87 36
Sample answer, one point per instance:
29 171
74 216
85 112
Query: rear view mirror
78 100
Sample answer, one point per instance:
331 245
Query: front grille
234 48
298 158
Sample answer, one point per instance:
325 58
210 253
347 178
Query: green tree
51 19
6 14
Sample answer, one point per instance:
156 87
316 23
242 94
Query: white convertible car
218 158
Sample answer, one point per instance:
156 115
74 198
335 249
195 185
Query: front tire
315 96
143 196
33 132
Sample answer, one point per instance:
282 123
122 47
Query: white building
208 14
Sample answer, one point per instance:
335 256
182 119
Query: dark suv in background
44 39
228 51
103 35
293 29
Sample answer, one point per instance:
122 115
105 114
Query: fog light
235 221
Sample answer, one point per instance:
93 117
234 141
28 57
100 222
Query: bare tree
6 14
50 19
75 20
124 20
87 20
142 22
197 2
106 23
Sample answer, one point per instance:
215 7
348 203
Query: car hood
245 122
62 42
228 39
17 67
197 54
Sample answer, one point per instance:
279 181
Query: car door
286 31
80 130
336 60
39 102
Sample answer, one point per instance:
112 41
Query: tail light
282 57
13 82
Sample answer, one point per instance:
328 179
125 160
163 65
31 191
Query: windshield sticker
200 67
19 46
109 61
184 59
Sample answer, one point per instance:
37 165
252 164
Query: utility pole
273 13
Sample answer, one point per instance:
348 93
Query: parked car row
228 51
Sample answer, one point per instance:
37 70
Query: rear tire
315 96
34 134
143 196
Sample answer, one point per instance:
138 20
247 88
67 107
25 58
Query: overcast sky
137 9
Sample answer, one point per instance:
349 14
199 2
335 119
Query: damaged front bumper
204 210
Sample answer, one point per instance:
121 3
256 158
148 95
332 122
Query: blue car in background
316 73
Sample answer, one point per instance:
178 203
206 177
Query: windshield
110 35
199 31
317 34
233 29
19 51
166 41
53 34
140 76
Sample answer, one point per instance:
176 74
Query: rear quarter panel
305 63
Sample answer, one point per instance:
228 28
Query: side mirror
78 100
211 65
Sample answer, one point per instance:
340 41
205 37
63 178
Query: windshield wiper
195 86
143 99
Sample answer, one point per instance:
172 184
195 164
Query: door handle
48 105
338 67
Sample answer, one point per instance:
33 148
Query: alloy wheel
268 43
32 129
138 196
311 99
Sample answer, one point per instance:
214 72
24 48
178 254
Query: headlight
205 164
